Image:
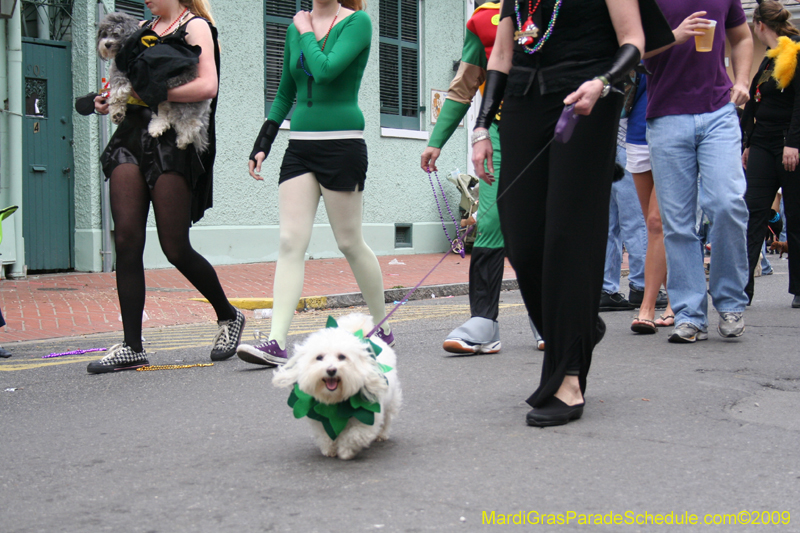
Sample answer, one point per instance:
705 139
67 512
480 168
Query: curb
352 299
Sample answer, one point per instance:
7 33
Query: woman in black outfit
771 124
143 169
595 40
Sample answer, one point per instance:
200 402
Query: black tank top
582 43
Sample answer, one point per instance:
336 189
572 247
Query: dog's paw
117 117
381 438
156 128
329 453
347 454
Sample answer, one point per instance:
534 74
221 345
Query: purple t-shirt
685 81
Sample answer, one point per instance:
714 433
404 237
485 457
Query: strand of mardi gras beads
171 367
547 33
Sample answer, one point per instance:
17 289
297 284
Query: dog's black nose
331 372
109 45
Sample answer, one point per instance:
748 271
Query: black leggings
486 281
172 201
765 174
557 206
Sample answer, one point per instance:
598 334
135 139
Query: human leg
488 255
298 199
613 258
130 203
674 161
344 213
172 202
571 292
722 189
762 184
633 233
790 183
481 333
655 270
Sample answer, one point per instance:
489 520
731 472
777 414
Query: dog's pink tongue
331 383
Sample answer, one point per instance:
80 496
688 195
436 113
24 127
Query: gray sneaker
686 332
731 324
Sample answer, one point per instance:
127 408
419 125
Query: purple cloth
687 82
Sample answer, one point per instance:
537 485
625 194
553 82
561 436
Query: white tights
298 199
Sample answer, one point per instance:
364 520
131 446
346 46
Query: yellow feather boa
786 62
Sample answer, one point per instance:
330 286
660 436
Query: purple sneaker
268 353
388 338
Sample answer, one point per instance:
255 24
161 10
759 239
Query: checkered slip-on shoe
228 337
118 357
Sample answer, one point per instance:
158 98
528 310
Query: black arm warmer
492 98
265 139
625 60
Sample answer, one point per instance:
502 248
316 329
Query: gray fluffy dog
189 120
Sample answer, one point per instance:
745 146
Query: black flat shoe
796 301
554 413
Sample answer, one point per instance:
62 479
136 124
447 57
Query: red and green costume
481 333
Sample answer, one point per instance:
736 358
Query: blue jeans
766 266
681 148
783 217
625 225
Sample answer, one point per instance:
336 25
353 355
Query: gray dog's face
114 29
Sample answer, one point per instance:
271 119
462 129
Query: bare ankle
570 391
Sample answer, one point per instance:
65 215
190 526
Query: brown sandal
644 326
664 318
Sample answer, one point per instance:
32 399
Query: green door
48 182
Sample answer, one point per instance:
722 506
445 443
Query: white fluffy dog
190 120
332 366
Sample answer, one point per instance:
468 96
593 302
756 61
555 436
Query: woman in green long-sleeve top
324 59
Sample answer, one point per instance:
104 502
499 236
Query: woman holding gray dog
325 55
143 169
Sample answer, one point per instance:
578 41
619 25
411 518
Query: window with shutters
278 17
134 8
399 64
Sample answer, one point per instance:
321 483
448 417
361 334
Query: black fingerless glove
492 98
85 104
265 139
626 59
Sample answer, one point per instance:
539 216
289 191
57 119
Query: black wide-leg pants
554 220
765 174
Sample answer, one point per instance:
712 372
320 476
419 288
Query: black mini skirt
338 164
154 156
132 143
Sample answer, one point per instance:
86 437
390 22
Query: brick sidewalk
62 305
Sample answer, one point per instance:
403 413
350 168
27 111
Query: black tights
172 200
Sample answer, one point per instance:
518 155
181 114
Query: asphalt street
704 429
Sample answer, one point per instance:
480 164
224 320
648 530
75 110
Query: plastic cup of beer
705 42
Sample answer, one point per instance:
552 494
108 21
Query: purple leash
563 132
408 294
